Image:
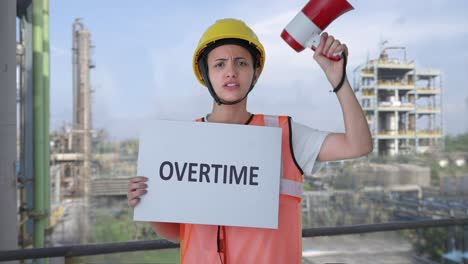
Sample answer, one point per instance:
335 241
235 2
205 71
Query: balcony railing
393 84
424 91
428 110
410 133
368 94
394 64
108 248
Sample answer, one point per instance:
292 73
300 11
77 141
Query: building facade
402 104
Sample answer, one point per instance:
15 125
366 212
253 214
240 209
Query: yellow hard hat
227 28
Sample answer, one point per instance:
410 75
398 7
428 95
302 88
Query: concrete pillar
8 190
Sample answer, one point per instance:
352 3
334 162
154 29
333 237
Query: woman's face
231 71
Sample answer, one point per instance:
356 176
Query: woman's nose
231 70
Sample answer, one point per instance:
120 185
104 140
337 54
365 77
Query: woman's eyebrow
220 59
235 58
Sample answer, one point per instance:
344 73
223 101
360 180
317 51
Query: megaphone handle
334 57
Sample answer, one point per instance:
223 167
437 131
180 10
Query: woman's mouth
231 86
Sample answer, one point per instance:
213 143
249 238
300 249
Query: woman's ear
256 74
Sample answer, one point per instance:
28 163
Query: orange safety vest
209 244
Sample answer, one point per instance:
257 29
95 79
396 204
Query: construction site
69 185
402 103
75 172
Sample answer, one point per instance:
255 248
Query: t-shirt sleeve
306 143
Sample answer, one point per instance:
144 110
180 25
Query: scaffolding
402 104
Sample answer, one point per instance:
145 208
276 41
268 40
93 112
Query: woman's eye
243 63
220 64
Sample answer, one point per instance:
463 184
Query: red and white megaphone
305 29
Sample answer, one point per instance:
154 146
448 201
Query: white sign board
210 173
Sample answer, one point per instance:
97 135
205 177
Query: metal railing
108 248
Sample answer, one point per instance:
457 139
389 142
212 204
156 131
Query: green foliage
118 226
104 147
306 187
415 159
129 147
431 242
378 159
345 181
435 173
454 170
405 159
458 143
167 256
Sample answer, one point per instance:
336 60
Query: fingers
136 188
137 183
336 44
329 46
134 197
133 202
138 179
323 39
345 49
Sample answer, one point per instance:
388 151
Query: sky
143 54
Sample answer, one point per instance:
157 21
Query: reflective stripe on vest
292 188
287 187
271 121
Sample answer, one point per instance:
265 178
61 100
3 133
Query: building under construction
402 103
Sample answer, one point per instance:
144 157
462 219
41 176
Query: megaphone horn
305 29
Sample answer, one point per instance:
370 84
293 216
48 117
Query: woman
228 61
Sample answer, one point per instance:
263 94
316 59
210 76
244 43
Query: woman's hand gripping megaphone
304 29
331 55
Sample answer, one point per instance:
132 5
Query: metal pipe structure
8 220
75 26
21 173
82 111
39 213
46 100
26 128
396 48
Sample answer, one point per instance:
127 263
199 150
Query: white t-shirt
306 143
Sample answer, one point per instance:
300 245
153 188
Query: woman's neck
231 114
